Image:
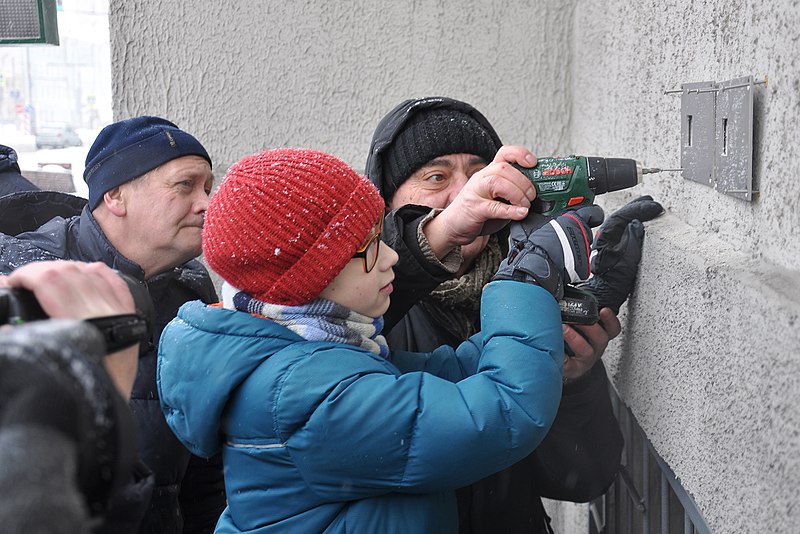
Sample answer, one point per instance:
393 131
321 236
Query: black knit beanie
430 128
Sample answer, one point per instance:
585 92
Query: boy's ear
114 201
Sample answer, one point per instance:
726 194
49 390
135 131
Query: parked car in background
57 136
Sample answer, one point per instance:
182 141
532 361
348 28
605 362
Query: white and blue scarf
319 320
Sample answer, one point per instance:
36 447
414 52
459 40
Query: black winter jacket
581 454
189 493
11 181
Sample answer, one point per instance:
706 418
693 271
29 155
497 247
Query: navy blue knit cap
127 149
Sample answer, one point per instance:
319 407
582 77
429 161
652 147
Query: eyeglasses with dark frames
369 252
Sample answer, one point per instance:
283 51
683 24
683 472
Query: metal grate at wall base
646 497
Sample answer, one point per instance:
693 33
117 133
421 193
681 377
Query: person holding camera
149 183
441 168
77 290
67 438
323 428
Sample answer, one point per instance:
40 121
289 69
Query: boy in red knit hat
322 429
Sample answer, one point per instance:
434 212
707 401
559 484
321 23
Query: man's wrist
448 257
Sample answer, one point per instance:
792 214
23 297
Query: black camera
52 378
19 306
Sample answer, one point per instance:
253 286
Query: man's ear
114 201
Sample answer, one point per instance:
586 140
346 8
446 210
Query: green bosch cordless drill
567 182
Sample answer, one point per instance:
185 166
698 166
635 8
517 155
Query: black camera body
20 306
52 376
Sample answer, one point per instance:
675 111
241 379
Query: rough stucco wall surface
708 359
244 76
708 363
628 54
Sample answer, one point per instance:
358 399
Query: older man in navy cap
149 183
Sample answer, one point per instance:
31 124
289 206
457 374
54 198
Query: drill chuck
612 174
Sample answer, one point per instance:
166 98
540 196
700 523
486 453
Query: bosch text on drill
569 181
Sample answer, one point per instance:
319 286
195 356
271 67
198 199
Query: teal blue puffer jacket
327 437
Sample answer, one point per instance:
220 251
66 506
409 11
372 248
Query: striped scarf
319 320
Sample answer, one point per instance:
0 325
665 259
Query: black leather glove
554 255
617 252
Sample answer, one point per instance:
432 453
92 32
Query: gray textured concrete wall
250 75
708 359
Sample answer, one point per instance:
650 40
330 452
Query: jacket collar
93 243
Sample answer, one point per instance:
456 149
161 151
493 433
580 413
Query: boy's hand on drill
554 255
522 230
617 252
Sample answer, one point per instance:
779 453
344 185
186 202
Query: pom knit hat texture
127 149
284 223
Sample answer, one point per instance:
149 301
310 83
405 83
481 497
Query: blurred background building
55 99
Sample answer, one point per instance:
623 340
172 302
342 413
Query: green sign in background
28 22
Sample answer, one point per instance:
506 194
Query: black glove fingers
607 255
604 259
643 208
636 230
631 240
618 252
632 243
611 231
649 210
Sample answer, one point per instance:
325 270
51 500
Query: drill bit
652 170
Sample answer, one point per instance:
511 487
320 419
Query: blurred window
54 100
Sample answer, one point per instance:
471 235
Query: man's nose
201 202
457 183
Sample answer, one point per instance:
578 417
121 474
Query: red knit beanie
284 223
